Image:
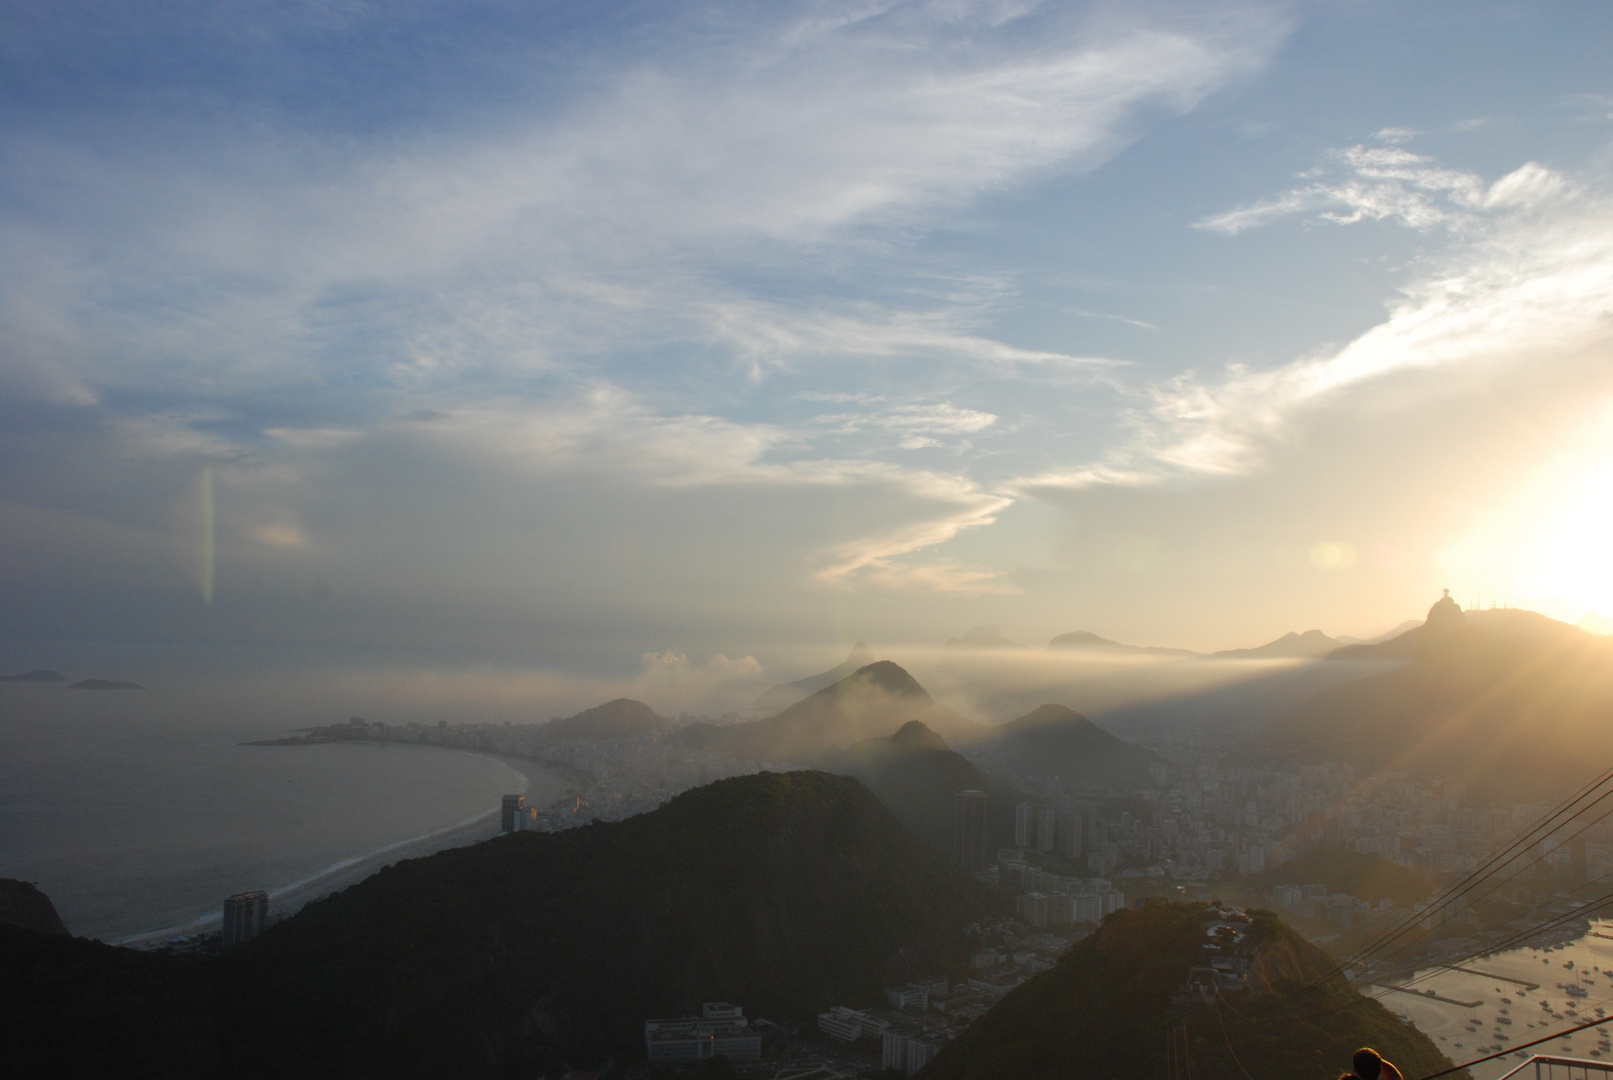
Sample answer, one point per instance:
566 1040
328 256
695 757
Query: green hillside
1107 1010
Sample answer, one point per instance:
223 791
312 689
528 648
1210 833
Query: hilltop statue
1445 612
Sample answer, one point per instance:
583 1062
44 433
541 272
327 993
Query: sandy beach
544 785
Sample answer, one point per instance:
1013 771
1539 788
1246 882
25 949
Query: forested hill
785 893
1106 1010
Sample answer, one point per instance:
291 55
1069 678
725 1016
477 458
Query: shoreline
286 900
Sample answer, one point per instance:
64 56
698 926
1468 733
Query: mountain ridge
873 701
1055 740
1507 703
621 718
917 776
777 698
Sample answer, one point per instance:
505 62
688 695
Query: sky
662 345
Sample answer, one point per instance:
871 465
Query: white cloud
1534 280
1386 183
915 421
1395 135
768 335
522 240
609 431
879 559
675 684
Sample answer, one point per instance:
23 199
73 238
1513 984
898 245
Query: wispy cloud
882 560
523 239
1530 279
1388 183
611 432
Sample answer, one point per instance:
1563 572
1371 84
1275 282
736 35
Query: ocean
138 811
1509 998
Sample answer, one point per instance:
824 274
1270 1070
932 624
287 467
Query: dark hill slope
22 904
917 776
1103 1011
623 718
785 893
1057 741
1086 641
1311 645
1509 704
871 702
76 1008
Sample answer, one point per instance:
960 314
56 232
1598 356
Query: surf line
335 868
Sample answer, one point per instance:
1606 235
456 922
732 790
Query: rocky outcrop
22 904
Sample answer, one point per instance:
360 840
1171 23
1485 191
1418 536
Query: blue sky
578 336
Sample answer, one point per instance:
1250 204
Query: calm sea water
1534 1013
139 810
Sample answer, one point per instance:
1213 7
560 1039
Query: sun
1549 547
1573 558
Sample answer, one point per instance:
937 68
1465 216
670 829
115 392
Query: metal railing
1552 1067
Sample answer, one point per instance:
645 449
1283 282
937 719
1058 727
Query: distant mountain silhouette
1449 634
983 637
36 675
1311 645
104 684
917 776
1596 623
1508 703
1345 639
871 702
1057 741
22 904
1106 1008
622 718
787 694
1090 642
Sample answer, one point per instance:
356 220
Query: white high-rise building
1046 818
1024 825
245 916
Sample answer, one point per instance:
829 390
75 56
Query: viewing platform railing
1551 1067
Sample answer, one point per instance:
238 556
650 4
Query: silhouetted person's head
1368 1063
